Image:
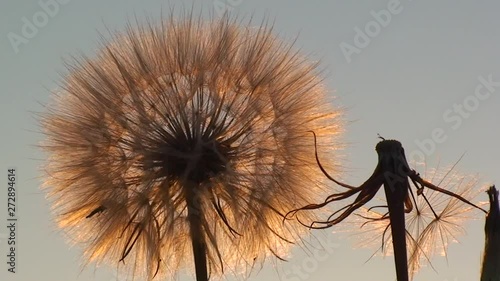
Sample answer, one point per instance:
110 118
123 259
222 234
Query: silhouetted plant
394 173
432 225
490 270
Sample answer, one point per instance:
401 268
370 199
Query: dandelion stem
491 260
196 232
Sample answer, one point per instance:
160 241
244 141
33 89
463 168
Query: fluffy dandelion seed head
187 108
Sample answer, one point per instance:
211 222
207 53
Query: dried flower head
183 136
430 226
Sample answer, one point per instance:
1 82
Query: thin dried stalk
491 260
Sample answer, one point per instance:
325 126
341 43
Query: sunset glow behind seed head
185 106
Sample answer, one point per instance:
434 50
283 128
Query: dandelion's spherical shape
187 113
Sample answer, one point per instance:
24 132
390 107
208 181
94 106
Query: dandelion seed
186 137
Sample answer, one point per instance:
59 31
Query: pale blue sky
426 60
